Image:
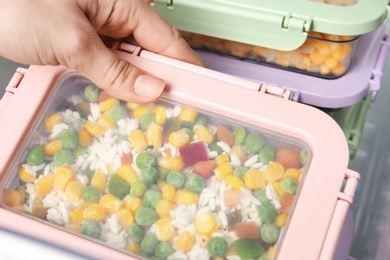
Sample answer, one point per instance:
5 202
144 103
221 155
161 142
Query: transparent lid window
156 180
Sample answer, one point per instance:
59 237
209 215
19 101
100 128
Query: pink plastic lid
322 187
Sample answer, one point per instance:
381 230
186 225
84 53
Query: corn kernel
74 190
44 185
108 104
223 170
12 198
205 223
51 121
273 172
125 218
203 134
183 242
154 135
254 179
132 203
280 220
235 182
99 180
94 128
134 247
168 192
139 111
186 197
164 229
138 140
202 240
188 115
94 212
84 137
222 158
63 175
26 176
132 106
172 163
76 215
111 203
272 251
106 122
160 117
52 147
127 173
73 227
291 172
163 208
179 138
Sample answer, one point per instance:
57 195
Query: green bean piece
163 250
149 174
91 193
91 93
118 186
62 157
199 120
240 171
79 123
195 183
121 138
145 159
269 233
149 244
146 120
267 212
135 232
261 196
69 139
253 143
138 188
248 249
303 156
80 150
214 147
217 246
145 216
117 113
151 198
176 178
162 174
91 228
239 135
267 154
289 185
36 156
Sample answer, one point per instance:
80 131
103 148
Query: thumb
117 77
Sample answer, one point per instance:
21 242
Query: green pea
217 246
269 233
303 156
118 186
117 113
36 156
91 193
69 139
144 160
267 212
151 198
149 244
195 183
145 216
146 120
289 185
214 147
248 249
240 171
261 196
149 174
199 120
239 135
80 150
62 157
91 93
135 232
138 188
253 143
91 228
267 154
177 179
264 256
163 250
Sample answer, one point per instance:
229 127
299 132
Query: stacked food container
234 161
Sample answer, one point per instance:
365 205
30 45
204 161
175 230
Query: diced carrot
225 135
232 197
103 96
205 168
289 157
247 230
127 158
286 202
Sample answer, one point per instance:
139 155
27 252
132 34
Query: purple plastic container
364 75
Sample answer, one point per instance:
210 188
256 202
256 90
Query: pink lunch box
219 166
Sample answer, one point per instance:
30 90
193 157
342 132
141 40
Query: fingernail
148 86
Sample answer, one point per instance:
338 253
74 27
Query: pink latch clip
352 180
275 91
15 80
127 47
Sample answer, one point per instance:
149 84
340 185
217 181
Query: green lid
276 24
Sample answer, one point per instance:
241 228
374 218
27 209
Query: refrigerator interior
371 207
